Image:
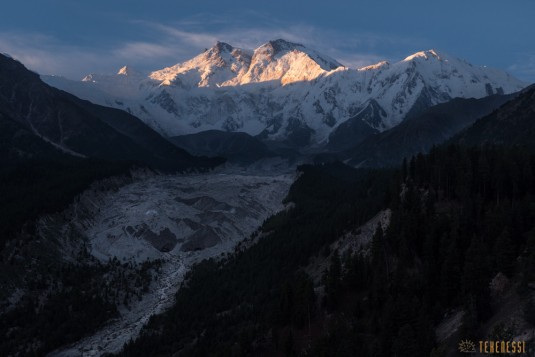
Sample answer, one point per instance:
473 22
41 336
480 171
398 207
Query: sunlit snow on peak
382 64
429 54
125 71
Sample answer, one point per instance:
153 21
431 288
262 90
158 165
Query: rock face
287 92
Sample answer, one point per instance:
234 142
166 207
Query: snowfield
179 219
282 88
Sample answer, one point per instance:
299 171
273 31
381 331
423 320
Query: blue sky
76 37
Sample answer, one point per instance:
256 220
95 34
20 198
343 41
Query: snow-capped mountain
224 65
285 91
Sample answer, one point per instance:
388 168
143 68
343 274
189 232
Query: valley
172 220
373 197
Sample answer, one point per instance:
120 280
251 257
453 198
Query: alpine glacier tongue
286 91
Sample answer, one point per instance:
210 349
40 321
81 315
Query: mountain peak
426 55
222 47
280 45
277 48
126 71
212 67
224 54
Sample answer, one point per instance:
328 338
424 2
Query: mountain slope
38 177
420 132
236 147
18 142
355 129
80 128
155 149
512 124
282 87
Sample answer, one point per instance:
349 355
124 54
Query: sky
73 38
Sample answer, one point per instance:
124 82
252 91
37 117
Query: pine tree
476 277
333 280
504 251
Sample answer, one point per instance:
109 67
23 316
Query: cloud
187 37
47 55
355 50
143 50
164 44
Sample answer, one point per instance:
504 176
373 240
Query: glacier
227 203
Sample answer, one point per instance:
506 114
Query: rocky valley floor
175 220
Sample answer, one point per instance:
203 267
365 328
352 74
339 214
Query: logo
493 347
467 346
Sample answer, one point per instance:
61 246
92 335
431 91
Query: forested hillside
461 216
